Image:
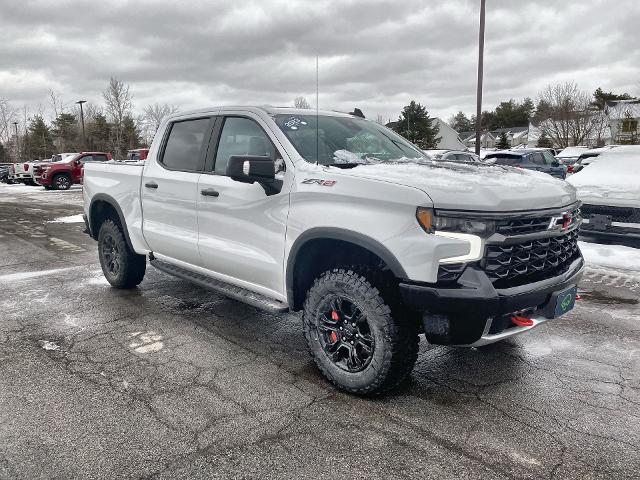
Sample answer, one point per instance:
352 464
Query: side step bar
237 293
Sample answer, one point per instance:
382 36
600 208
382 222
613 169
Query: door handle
151 185
210 192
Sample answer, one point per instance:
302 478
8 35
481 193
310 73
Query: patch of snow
148 342
15 277
47 345
70 219
612 256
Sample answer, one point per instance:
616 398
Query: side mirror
249 169
78 162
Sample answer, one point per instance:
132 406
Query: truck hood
473 187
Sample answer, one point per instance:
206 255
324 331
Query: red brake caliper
333 336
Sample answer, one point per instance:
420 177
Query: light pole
480 74
15 124
84 142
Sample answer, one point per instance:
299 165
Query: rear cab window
185 144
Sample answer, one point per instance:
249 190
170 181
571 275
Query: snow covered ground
611 256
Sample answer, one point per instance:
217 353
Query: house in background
449 138
517 137
624 119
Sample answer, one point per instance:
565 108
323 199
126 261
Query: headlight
433 222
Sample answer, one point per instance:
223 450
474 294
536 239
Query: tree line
108 127
564 114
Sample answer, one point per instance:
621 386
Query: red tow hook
578 297
522 321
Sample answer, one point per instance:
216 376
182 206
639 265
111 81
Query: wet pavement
173 381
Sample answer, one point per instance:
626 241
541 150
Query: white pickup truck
343 219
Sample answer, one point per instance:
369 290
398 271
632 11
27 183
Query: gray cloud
376 54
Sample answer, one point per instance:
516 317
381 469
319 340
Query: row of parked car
539 159
609 188
62 170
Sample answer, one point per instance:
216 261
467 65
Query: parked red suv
61 175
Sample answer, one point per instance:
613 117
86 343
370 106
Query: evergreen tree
415 125
38 141
503 142
600 98
65 129
98 132
544 141
130 133
460 123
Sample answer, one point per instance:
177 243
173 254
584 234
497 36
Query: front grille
533 224
530 261
617 214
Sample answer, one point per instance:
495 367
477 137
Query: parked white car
452 156
610 191
570 155
23 172
339 217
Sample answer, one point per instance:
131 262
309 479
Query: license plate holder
599 221
563 301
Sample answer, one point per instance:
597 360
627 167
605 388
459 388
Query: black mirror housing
250 168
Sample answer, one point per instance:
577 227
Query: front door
170 191
242 225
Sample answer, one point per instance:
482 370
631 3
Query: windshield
345 140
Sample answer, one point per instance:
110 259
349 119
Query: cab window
183 148
242 136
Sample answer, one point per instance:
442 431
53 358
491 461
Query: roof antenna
317 117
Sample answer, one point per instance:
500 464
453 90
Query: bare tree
152 118
55 101
8 115
568 118
380 120
301 102
118 104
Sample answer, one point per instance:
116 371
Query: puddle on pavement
601 297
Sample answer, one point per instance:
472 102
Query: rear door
242 226
169 190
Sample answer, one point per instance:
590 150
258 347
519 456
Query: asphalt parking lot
173 381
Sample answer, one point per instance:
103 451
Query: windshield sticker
294 123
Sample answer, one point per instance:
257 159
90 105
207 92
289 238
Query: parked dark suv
539 160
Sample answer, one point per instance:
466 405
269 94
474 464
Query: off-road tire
396 335
130 266
57 182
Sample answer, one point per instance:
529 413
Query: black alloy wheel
345 334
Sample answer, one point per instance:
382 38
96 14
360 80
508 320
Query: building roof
620 109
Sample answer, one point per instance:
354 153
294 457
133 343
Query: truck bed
120 182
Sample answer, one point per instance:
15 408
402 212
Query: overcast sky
374 54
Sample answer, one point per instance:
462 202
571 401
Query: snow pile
614 175
70 219
612 256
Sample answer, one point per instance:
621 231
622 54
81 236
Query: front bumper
611 230
473 312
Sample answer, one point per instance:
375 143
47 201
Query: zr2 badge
318 181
